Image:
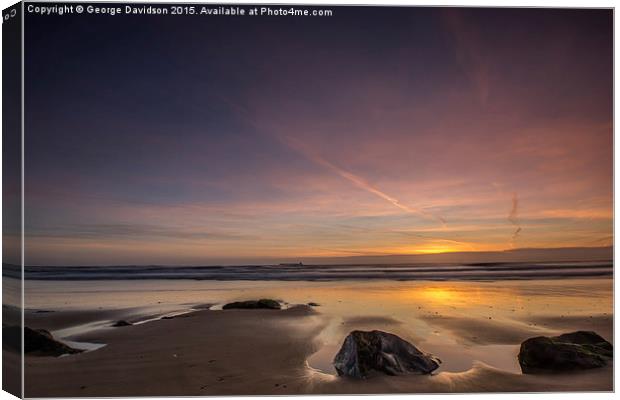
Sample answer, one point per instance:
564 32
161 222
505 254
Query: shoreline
475 328
329 273
241 352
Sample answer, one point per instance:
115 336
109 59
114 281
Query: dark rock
120 323
570 351
45 333
313 304
39 342
363 353
254 304
12 338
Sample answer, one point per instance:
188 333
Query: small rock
313 304
268 304
120 323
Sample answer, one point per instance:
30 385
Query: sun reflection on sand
445 295
460 322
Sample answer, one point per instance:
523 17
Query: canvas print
247 199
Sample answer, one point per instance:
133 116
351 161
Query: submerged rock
254 304
41 342
120 323
363 353
570 351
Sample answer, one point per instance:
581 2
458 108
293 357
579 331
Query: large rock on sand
254 304
364 353
38 342
570 351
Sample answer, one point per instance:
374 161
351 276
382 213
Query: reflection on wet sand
475 328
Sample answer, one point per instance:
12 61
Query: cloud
468 50
129 231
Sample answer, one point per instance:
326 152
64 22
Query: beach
182 342
308 199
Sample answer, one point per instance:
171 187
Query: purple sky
375 131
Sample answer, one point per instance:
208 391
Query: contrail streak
360 182
513 217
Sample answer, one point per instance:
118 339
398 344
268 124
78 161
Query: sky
377 131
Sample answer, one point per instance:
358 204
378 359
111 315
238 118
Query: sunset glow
434 139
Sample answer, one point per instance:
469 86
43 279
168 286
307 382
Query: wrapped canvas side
12 201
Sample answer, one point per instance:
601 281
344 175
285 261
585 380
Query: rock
363 353
313 304
41 342
120 323
570 351
254 304
12 338
45 333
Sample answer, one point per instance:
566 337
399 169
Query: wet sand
475 328
206 352
249 352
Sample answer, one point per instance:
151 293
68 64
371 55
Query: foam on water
488 271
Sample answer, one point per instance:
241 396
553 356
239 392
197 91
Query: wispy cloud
135 231
468 49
